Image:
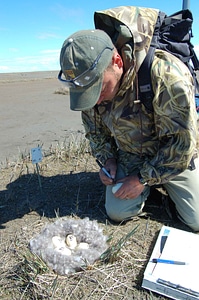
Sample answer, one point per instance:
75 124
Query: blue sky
32 32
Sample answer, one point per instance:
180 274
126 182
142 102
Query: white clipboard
177 275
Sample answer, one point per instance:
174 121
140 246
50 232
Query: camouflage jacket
160 144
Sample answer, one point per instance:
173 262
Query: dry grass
68 185
62 91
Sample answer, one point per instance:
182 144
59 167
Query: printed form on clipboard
173 267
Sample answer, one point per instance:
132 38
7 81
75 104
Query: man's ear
117 60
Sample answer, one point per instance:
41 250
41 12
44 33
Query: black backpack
172 34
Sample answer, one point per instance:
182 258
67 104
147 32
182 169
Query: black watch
141 179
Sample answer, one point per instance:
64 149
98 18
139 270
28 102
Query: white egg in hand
116 187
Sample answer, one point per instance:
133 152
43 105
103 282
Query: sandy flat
33 114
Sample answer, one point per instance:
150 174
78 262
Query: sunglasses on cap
87 77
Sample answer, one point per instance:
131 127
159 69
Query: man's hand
111 167
130 189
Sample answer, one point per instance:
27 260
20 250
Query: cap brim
85 98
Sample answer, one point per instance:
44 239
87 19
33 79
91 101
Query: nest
64 258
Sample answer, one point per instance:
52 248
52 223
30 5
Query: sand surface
33 114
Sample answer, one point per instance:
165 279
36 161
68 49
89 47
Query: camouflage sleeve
101 140
175 119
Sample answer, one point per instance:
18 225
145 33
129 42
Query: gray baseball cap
83 58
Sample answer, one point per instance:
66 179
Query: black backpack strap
146 93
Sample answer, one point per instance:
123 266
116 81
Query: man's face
111 82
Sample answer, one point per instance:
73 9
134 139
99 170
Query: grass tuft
110 255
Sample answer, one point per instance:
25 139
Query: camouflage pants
183 190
